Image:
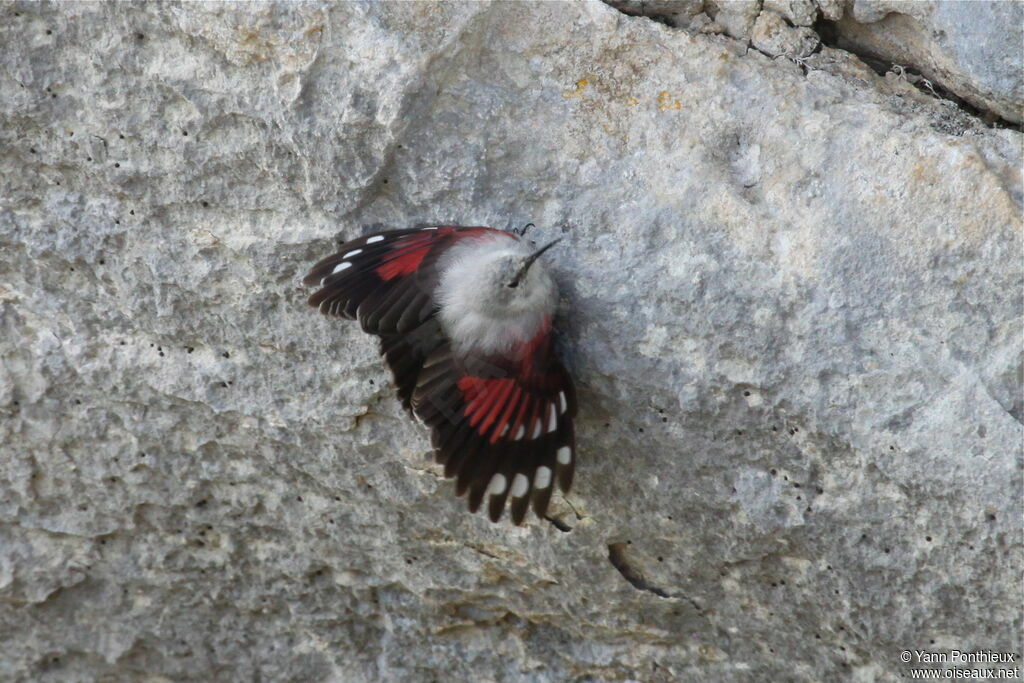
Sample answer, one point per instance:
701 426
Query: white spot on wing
340 267
538 425
354 252
504 430
552 420
520 432
375 239
430 228
520 485
542 479
497 485
564 455
562 405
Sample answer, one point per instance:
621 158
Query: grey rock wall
792 303
970 50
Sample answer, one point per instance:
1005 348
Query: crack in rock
617 556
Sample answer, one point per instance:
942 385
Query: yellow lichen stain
666 102
632 101
577 90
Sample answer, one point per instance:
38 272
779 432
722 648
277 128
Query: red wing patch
407 255
507 436
385 280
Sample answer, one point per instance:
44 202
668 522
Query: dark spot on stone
49 32
746 393
140 36
189 349
641 430
32 150
201 503
184 133
117 165
300 498
887 550
928 538
224 385
132 212
205 204
773 472
226 354
385 181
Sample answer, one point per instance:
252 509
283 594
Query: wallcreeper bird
464 319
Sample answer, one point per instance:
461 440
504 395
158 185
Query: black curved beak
529 262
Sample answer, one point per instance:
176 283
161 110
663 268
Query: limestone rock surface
974 49
791 300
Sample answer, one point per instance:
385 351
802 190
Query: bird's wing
503 428
385 280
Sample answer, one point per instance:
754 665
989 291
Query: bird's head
497 284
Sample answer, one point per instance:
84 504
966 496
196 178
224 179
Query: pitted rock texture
792 303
